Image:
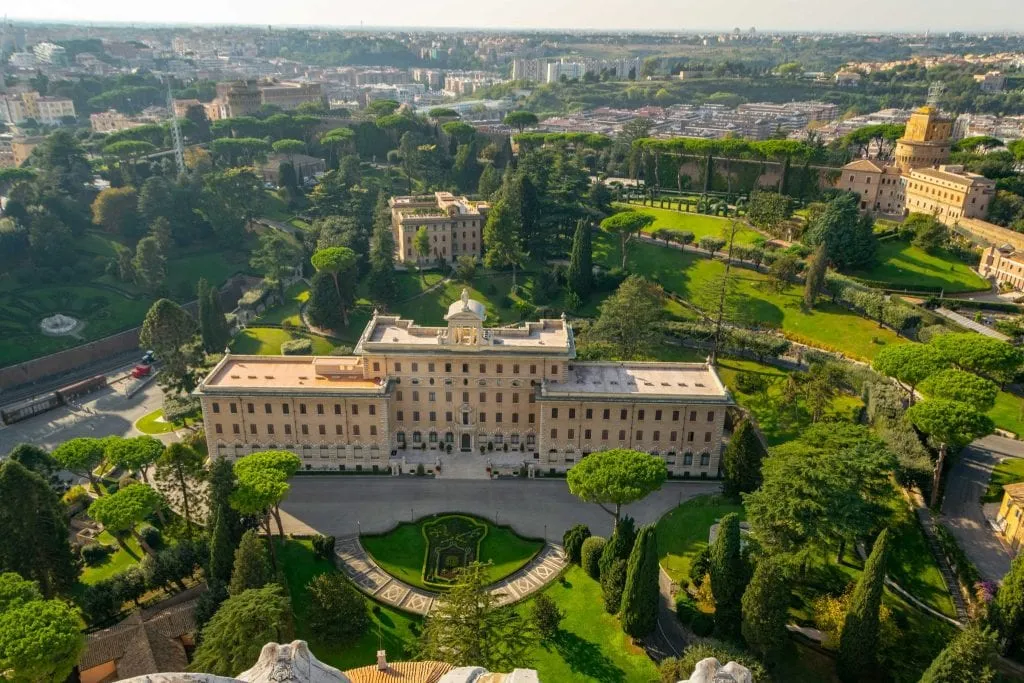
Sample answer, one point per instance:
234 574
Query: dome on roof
466 305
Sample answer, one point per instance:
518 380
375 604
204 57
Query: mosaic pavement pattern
378 584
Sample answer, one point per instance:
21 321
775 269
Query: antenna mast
935 91
179 152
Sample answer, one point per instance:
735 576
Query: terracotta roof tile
400 672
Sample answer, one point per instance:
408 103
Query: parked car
147 359
140 371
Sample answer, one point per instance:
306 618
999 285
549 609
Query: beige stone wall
1002 269
864 184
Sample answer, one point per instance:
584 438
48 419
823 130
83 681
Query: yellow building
879 188
926 142
455 226
949 193
515 394
1008 520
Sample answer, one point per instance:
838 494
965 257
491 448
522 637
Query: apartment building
880 189
927 140
289 95
455 226
949 193
1003 265
464 389
16 108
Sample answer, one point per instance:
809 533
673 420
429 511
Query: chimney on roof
382 660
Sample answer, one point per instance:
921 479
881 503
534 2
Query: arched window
400 437
417 437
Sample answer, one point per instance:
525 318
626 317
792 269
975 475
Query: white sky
793 15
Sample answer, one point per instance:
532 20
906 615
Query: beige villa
468 390
454 225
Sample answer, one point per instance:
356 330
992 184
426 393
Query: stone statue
291 663
710 670
465 299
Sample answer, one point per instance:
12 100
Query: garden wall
63 362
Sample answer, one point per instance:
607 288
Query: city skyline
646 15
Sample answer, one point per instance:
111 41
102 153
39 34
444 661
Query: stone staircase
928 525
463 466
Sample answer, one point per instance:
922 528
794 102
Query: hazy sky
796 15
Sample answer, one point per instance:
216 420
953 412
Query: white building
50 53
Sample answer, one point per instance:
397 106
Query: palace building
514 394
454 225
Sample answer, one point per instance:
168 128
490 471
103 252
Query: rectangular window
433 416
373 409
400 416
554 369
554 413
590 413
398 367
430 367
607 414
639 435
515 418
640 414
572 433
337 409
305 429
431 396
531 418
319 408
657 435
657 414
554 433
448 416
572 413
483 397
711 416
288 430
337 430
604 434
415 416
219 429
689 437
270 429
465 368
398 395
465 397
530 398
705 459
515 368
707 437
236 429
533 369
497 418
483 368
688 459
322 430
376 366
622 435
497 397
447 367
586 433
216 407
252 429
250 408
675 415
302 409
355 409
415 395
415 367
515 398
355 430
693 416
448 396
483 417
672 436
622 414
285 408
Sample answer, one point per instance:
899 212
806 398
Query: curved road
344 505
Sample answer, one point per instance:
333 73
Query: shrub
323 546
95 553
151 535
420 470
700 567
572 541
342 350
691 616
75 495
297 347
590 556
100 602
751 382
129 585
613 581
546 616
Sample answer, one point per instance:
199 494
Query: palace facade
454 226
482 392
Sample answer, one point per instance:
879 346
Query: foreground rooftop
654 381
336 373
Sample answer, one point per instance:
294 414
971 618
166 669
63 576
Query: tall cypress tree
206 330
639 612
581 261
727 578
251 567
218 321
742 460
384 285
1008 608
858 642
766 609
620 545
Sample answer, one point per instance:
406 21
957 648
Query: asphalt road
341 505
962 510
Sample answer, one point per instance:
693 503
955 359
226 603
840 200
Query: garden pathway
368 577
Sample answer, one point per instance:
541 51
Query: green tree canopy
520 120
968 657
639 610
765 606
125 509
616 477
630 320
728 577
742 460
40 640
627 225
81 456
985 356
909 363
232 640
965 387
133 454
173 336
848 237
859 641
950 422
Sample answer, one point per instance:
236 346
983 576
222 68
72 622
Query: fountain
58 325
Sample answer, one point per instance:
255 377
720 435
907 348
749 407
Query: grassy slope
288 312
1008 413
401 552
683 532
116 562
904 265
1010 471
699 224
266 341
828 326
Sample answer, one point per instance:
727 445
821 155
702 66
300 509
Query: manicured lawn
215 266
116 562
701 225
912 565
1009 471
900 264
590 645
154 423
266 341
288 312
389 629
1008 412
827 326
402 551
683 532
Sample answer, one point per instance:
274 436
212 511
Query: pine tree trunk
270 542
277 518
142 543
184 502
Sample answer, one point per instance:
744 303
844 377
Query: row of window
656 436
624 414
432 397
303 429
268 408
499 368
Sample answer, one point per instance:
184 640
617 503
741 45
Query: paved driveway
342 505
961 507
